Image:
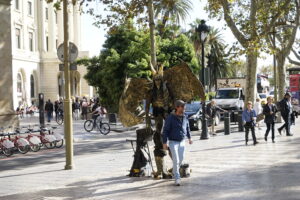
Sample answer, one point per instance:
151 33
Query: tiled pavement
222 168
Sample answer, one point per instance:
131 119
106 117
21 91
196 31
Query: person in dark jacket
269 110
49 109
286 112
175 130
212 110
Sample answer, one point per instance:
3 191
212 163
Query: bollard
227 123
41 110
240 121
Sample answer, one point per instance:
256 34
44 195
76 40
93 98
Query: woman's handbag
260 117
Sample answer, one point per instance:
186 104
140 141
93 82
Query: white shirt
257 107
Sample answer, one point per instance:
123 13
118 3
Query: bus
294 89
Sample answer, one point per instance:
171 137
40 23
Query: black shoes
273 141
255 143
289 134
266 139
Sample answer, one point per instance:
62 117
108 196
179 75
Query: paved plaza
223 168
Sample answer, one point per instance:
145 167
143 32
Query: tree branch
268 28
296 54
293 62
287 49
253 10
238 35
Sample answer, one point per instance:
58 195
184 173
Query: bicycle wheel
35 147
8 151
59 143
23 149
89 125
60 119
104 128
50 145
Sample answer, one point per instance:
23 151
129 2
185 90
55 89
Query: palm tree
218 61
176 10
215 52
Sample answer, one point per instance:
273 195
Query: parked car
194 112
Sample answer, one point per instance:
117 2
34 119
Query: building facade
36 32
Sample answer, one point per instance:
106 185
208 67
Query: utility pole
68 124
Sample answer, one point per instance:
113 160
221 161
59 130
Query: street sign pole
68 127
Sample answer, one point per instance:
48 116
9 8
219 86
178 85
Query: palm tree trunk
152 33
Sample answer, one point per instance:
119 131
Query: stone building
36 32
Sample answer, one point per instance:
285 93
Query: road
222 168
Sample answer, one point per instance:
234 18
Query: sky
93 37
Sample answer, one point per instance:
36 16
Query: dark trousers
49 116
269 127
247 128
286 125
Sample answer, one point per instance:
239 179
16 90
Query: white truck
230 93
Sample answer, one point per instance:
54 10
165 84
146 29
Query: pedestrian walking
49 110
76 106
248 117
286 110
269 111
258 110
56 109
212 110
84 109
176 128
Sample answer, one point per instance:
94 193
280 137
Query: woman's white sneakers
177 182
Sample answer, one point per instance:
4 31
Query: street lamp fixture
203 31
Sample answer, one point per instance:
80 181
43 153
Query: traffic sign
73 52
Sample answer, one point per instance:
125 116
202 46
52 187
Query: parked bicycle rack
10 141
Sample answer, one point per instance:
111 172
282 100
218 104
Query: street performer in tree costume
177 82
160 99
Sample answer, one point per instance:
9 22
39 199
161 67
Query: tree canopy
126 54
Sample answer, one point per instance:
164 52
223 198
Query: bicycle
103 127
6 146
21 143
60 118
34 140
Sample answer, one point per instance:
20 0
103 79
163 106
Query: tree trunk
152 33
251 88
281 74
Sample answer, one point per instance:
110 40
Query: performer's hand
165 146
190 141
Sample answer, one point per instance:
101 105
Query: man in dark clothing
56 108
269 110
212 110
49 109
286 111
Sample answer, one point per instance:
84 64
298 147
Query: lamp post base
204 133
69 167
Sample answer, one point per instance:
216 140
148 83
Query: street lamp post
203 31
68 128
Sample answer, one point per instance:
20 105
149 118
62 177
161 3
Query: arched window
32 87
19 83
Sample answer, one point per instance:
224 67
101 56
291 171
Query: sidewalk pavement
222 168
